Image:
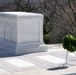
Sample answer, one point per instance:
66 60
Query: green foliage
46 38
69 43
47 27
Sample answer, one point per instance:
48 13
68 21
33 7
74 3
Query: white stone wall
28 28
21 32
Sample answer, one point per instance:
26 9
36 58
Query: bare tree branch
66 13
71 7
54 22
61 16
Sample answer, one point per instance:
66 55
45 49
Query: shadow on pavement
57 68
4 54
70 74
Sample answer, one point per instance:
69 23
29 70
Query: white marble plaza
40 63
19 63
72 54
51 59
2 71
21 32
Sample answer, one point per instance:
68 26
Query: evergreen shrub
69 43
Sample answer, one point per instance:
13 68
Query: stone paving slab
42 66
69 71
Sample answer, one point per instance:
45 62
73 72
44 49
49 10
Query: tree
60 15
25 5
7 5
63 18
